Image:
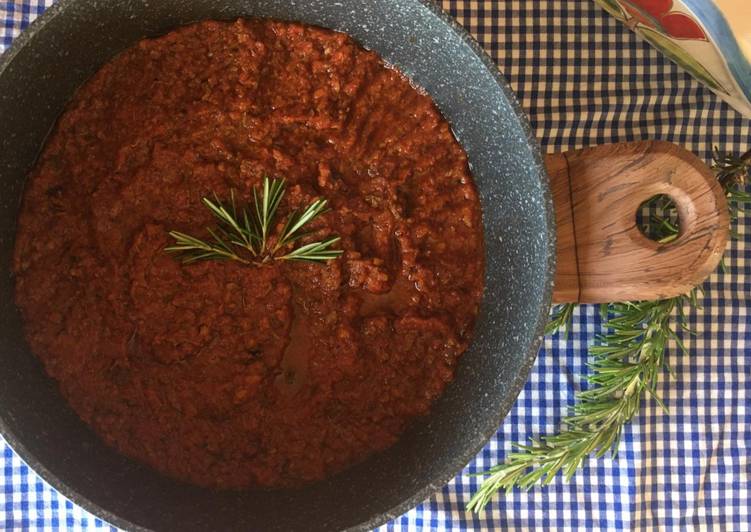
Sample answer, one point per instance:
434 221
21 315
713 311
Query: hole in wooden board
657 219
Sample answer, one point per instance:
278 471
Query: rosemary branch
625 363
244 236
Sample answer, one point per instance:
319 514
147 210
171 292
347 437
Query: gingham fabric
583 79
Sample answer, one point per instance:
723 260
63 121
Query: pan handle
602 255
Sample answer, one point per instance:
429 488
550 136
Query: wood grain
602 255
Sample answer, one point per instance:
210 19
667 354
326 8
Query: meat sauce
218 373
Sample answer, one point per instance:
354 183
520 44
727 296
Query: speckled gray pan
70 42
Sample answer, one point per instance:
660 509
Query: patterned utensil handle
710 39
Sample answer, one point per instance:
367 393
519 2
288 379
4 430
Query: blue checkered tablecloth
583 79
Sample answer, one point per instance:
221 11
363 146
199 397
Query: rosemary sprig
732 173
626 364
244 237
662 226
732 170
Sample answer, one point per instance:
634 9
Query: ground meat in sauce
226 375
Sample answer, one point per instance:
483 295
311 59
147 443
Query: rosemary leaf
561 319
229 219
273 191
194 249
315 251
295 222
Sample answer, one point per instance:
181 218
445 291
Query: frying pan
44 66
